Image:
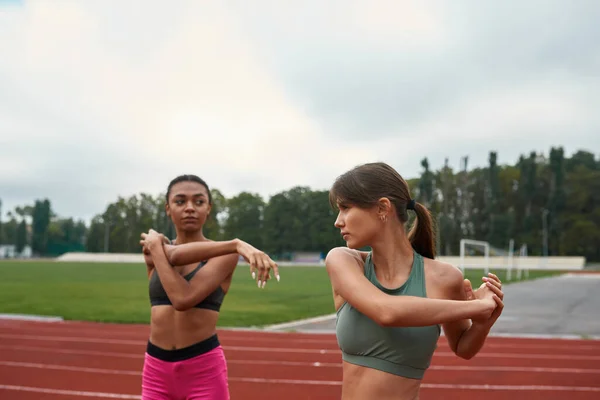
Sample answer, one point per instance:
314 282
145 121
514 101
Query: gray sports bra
158 296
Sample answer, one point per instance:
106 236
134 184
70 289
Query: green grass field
119 293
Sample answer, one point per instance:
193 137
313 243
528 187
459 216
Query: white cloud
101 99
201 102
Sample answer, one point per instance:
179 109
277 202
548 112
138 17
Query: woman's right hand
492 284
258 260
489 301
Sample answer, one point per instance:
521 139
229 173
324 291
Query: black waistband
185 353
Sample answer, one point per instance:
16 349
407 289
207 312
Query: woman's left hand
152 239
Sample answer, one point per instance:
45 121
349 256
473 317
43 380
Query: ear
384 206
167 209
209 210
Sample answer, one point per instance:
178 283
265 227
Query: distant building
307 257
10 251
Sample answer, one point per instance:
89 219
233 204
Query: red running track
76 360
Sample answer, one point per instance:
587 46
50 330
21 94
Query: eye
179 202
200 202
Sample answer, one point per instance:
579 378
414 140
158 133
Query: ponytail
421 235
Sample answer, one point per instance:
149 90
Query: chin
354 245
189 228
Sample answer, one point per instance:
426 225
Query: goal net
479 253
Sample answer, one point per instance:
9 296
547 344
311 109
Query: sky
100 99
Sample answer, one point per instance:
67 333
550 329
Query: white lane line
315 382
68 368
246 339
73 339
18 364
69 351
69 392
311 351
535 388
28 317
293 324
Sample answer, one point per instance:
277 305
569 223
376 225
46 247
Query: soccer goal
470 247
521 264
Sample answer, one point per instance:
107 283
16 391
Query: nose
339 221
189 206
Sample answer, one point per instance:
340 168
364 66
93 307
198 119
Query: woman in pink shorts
188 279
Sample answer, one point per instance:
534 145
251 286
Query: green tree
2 239
21 236
581 158
448 227
66 235
319 223
244 218
41 215
285 222
213 227
426 184
581 219
95 238
557 200
10 229
499 215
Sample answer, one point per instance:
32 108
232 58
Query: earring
383 218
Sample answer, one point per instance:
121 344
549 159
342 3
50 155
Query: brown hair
365 184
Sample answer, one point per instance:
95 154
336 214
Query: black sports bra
158 296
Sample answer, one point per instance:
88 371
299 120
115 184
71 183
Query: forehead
188 189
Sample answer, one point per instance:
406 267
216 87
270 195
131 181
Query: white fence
530 262
102 257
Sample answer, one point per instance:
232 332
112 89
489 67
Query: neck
392 252
188 237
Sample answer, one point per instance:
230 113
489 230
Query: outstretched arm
349 282
188 253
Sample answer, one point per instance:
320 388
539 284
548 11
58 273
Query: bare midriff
362 383
171 329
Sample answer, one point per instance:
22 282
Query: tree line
550 203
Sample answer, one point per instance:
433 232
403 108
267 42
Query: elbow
181 303
173 255
465 356
385 321
385 317
396 319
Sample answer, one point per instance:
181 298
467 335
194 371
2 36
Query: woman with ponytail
393 301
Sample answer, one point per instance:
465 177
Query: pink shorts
192 373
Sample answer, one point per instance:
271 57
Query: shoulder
345 255
341 260
446 277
